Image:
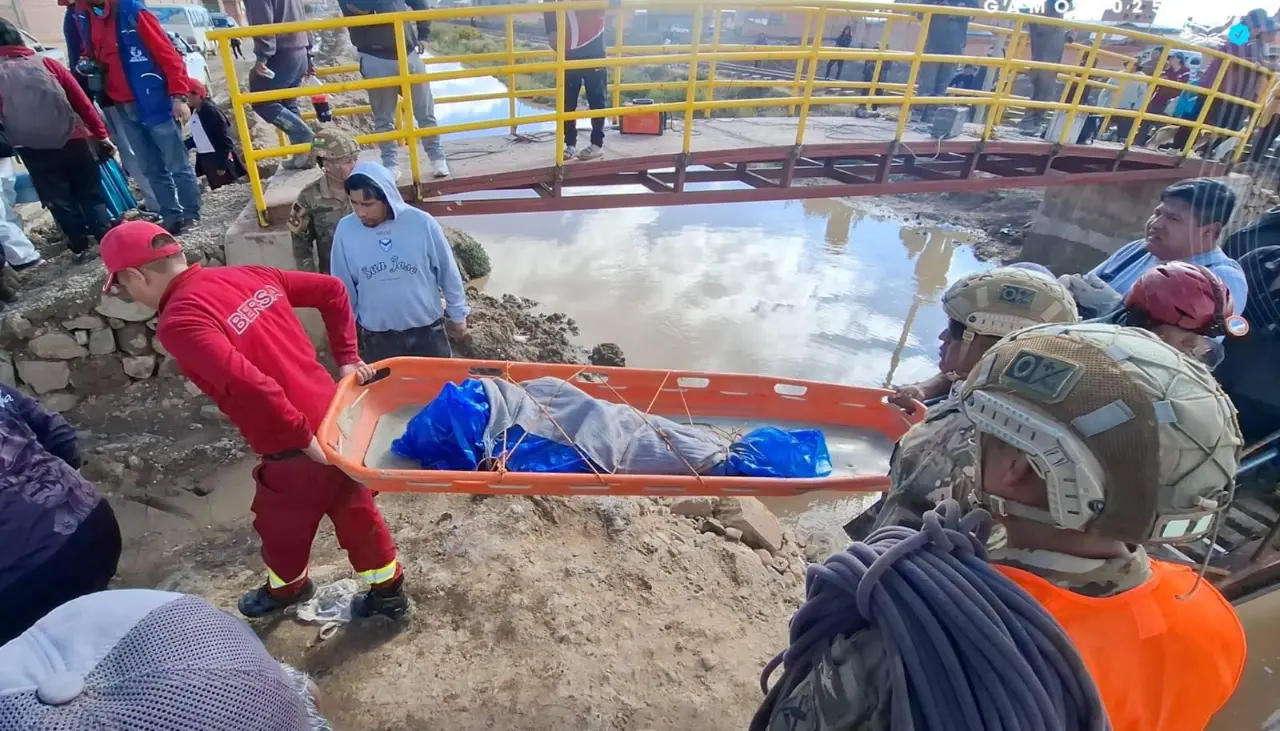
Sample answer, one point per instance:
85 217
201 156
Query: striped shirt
1132 260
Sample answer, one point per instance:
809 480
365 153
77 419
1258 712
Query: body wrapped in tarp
550 425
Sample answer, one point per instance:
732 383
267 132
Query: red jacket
92 125
102 28
235 335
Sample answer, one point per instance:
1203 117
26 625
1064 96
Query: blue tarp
449 434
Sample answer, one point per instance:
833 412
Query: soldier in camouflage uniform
324 201
1093 440
932 462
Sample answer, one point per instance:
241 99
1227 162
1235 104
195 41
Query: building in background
43 18
233 9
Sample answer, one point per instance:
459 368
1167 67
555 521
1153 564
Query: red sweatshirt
102 28
92 125
235 335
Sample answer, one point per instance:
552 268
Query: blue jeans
384 103
162 155
290 67
112 116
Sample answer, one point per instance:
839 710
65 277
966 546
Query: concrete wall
246 243
1078 226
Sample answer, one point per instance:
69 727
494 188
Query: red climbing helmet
1187 296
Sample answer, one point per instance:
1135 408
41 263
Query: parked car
222 20
44 49
192 22
197 66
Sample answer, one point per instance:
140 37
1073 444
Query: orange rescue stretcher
362 422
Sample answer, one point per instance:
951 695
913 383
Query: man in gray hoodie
397 266
283 61
376 45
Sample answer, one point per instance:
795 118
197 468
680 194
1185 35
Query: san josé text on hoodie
396 272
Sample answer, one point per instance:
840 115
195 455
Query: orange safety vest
1161 663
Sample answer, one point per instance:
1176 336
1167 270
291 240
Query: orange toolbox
642 123
362 421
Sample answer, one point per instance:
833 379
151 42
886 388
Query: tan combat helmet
1134 440
334 142
1005 300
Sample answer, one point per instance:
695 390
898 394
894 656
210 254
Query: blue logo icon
1239 34
385 244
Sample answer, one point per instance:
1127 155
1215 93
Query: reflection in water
840 218
478 111
756 288
931 248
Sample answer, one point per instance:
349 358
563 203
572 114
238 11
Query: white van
191 22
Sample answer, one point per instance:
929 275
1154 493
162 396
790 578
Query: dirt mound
535 613
510 328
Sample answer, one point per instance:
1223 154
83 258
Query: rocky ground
537 613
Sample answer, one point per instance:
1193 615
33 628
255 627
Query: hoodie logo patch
385 244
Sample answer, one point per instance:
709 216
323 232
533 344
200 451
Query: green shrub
473 260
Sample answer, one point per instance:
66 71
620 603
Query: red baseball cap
133 244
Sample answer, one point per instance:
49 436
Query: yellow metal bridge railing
803 94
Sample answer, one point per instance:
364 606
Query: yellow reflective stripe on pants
378 576
275 582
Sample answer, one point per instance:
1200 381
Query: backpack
1265 231
34 110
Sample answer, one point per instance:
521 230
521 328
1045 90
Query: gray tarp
616 437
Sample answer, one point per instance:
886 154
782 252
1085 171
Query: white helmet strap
1004 508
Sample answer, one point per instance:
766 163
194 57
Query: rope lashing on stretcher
968 650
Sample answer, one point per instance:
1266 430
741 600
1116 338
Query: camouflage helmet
1134 440
333 142
1007 299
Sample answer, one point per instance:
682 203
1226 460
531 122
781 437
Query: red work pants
292 495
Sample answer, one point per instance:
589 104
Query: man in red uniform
234 333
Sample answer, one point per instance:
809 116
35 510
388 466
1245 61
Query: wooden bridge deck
754 159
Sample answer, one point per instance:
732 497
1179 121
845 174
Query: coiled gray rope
968 649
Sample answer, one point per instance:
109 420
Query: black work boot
389 601
260 602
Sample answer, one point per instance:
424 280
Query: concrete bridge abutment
1078 226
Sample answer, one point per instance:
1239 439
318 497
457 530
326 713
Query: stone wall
82 343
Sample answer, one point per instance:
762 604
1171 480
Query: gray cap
145 661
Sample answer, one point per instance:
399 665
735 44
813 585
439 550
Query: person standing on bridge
1092 440
233 332
376 45
948 34
282 62
1185 226
584 39
397 265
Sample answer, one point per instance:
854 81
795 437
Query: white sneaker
591 152
570 152
440 168
394 170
